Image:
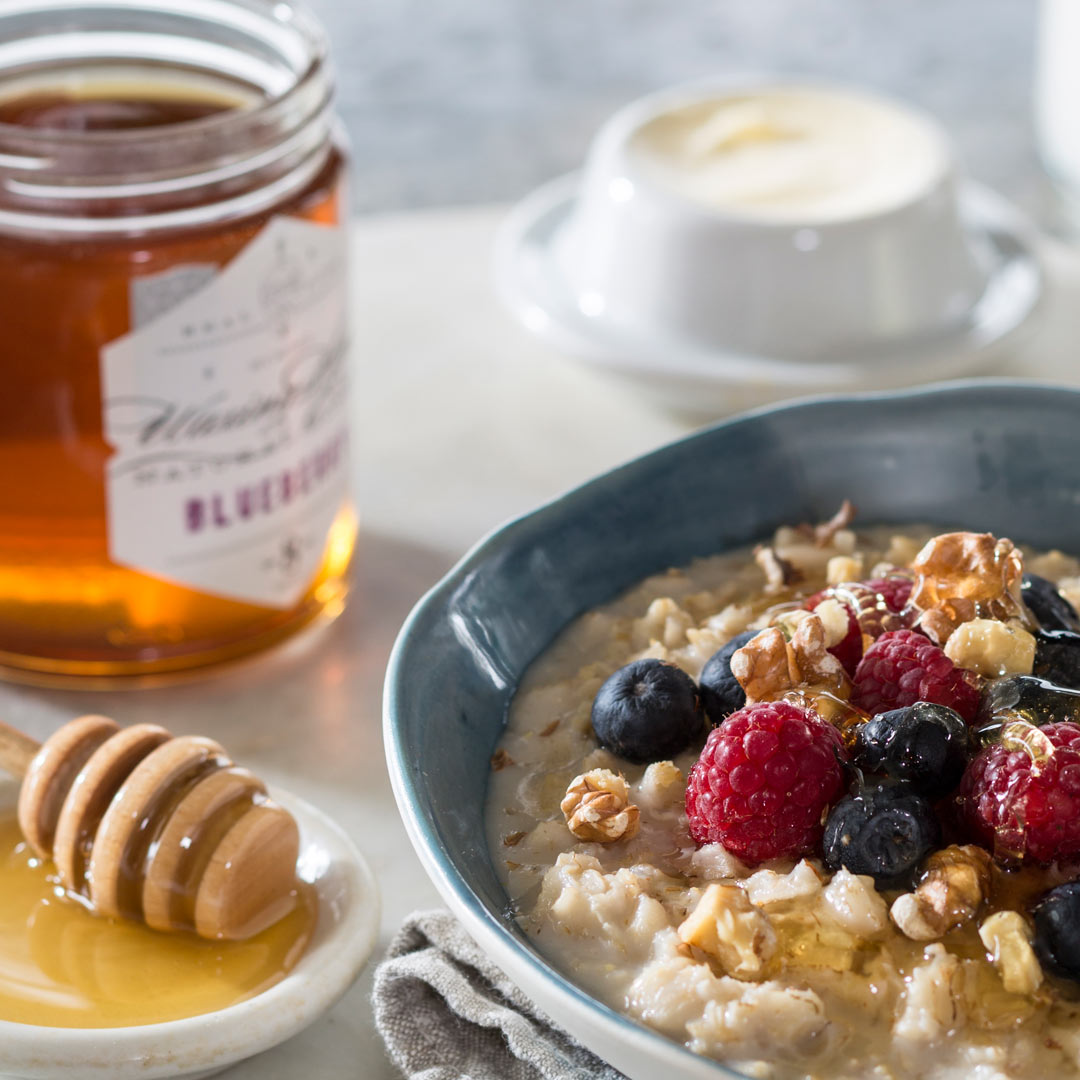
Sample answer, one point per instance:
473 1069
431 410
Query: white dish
201 1046
777 218
677 371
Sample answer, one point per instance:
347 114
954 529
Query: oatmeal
866 869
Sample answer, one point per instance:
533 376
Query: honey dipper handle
16 750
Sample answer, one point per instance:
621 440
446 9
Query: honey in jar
173 385
61 966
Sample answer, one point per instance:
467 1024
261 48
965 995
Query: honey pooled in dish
61 966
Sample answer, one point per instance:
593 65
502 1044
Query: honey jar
173 378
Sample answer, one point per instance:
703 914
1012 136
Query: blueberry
721 693
926 745
884 831
1057 657
647 711
1023 697
1057 930
1044 601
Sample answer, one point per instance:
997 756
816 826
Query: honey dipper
154 828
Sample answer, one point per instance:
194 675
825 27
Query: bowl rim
529 970
218 1039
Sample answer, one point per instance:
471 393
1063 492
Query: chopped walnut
769 665
823 534
833 616
597 808
843 517
962 576
955 883
992 648
817 666
731 931
766 665
1008 938
779 573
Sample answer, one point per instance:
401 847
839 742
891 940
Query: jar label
228 414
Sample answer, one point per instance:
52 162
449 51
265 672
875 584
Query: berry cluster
942 755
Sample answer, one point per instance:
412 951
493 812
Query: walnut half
597 808
955 883
730 931
769 665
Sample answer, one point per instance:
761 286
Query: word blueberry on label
227 413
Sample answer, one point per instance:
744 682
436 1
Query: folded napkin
446 1012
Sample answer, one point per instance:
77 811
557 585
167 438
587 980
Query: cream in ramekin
787 221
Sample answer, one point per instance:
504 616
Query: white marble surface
461 422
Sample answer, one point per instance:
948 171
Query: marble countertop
461 421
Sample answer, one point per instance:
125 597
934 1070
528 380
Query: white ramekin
645 259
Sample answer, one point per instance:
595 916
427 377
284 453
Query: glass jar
173 412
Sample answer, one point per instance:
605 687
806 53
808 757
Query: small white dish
678 371
201 1046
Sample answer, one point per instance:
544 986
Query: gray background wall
465 101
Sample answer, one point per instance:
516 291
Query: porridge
814 810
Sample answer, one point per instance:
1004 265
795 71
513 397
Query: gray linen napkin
446 1012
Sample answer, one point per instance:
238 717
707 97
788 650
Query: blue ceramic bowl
1001 456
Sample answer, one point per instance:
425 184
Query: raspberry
763 782
895 591
903 667
1025 802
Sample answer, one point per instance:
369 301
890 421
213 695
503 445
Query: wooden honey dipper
163 830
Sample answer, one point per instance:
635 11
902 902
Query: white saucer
200 1046
683 374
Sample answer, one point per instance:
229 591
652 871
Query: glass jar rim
275 49
301 20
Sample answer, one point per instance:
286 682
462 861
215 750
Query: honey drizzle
61 966
144 837
204 842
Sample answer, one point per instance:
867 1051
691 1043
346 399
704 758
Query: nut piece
779 573
597 808
842 568
823 534
817 666
730 930
768 665
962 576
1008 938
834 618
662 787
955 882
992 648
